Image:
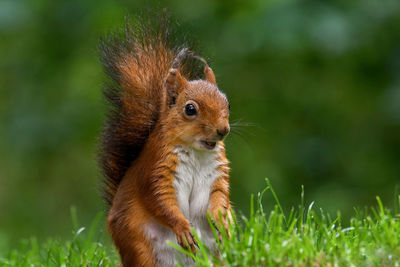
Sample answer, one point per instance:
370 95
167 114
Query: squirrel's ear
209 74
175 84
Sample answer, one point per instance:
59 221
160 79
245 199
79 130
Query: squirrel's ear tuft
209 74
175 84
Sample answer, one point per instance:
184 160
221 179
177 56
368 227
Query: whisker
241 123
242 131
241 138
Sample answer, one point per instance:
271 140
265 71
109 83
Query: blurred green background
319 81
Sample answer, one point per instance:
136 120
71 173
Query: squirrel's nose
222 132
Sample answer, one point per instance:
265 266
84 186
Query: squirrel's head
198 109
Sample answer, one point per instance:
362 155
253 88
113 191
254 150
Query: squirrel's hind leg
133 246
135 249
141 255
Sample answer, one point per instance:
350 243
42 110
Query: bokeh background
317 82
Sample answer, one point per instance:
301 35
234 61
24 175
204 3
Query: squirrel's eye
190 110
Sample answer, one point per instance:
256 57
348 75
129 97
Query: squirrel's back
137 61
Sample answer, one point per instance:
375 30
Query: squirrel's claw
186 240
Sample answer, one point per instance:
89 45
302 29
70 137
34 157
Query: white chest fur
195 175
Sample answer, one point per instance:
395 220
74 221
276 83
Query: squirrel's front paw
222 218
185 238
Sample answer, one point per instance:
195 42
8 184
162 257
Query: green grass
84 249
303 237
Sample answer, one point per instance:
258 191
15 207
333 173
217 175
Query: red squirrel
162 148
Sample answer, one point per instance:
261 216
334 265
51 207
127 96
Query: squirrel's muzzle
222 132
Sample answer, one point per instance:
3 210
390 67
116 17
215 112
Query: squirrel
162 148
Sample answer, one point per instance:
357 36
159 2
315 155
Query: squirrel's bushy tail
137 61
